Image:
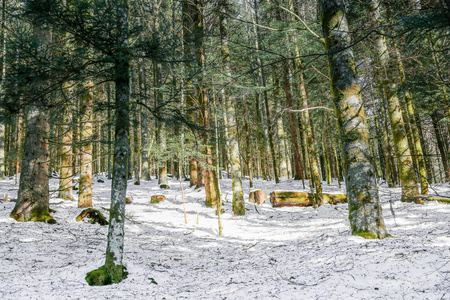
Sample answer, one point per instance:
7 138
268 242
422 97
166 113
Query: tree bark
114 249
86 136
65 180
232 141
387 70
365 214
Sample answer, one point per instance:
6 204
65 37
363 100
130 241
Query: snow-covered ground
270 253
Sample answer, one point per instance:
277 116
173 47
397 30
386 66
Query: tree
33 197
113 271
365 213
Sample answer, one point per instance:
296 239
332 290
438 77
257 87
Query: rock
281 198
164 186
100 180
157 198
257 196
94 215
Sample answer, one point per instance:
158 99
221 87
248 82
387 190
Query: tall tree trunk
314 172
232 142
65 180
2 78
145 139
388 70
86 136
136 147
113 268
365 214
298 164
278 125
33 196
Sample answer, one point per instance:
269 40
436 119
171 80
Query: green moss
164 186
40 214
106 276
366 235
440 200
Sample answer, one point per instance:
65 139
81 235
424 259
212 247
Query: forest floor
270 253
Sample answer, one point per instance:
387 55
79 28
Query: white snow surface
270 253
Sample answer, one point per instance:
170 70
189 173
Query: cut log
157 198
290 198
94 215
257 196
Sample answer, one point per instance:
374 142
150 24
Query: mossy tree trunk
33 196
388 70
365 213
232 134
114 250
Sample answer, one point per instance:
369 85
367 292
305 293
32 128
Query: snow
270 253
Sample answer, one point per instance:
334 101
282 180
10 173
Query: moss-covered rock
164 186
157 198
94 216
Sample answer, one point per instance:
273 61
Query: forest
222 149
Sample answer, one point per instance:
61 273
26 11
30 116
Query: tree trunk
232 142
281 157
298 165
114 249
2 78
365 214
65 179
33 198
86 115
145 139
388 68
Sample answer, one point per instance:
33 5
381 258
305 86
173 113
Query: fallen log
440 200
291 198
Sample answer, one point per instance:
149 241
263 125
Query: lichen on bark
365 213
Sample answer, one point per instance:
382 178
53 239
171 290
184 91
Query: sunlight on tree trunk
365 214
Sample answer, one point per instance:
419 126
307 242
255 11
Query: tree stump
127 200
157 198
257 196
280 198
94 215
